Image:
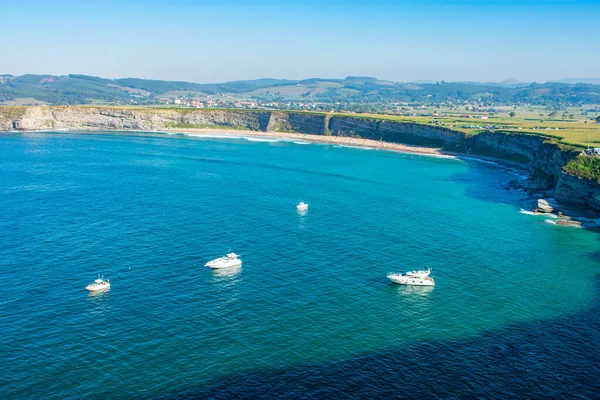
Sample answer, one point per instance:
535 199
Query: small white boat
229 260
302 206
415 278
99 284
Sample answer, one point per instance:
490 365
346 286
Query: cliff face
73 118
314 124
578 191
545 160
514 147
392 131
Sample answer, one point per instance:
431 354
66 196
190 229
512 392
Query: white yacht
415 278
99 284
302 206
229 260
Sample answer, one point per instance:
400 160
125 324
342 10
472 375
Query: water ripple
312 293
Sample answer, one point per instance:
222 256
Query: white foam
208 136
260 139
481 160
355 147
297 142
435 155
523 211
549 221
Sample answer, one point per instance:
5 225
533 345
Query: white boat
415 278
99 284
302 206
229 260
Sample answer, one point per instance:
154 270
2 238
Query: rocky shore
543 157
544 208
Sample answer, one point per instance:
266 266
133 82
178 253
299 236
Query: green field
576 131
22 101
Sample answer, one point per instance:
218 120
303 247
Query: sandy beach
339 140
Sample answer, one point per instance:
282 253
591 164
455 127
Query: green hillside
84 89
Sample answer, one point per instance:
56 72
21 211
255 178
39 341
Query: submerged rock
514 184
568 222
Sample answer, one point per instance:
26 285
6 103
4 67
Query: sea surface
515 311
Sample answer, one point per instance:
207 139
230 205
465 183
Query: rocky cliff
393 131
545 158
505 145
308 123
578 192
102 118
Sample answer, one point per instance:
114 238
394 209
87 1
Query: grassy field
23 101
576 131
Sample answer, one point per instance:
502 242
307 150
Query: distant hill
593 81
85 89
509 83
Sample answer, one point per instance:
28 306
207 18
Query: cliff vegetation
586 167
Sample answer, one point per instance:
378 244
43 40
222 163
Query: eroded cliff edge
549 162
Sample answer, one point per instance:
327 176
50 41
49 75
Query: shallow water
311 297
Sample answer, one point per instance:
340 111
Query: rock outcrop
569 222
543 207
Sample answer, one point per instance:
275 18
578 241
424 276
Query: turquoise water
312 296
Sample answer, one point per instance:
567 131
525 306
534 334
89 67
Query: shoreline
350 142
339 140
236 133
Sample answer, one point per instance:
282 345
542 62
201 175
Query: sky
217 41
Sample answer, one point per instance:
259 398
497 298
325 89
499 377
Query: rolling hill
85 89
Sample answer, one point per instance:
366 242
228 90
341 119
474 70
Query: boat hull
412 281
229 264
97 288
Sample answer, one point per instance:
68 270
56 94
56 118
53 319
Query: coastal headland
556 168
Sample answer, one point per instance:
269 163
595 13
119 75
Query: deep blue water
515 312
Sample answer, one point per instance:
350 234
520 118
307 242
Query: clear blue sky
210 41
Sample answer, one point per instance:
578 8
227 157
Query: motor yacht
229 260
415 278
99 284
